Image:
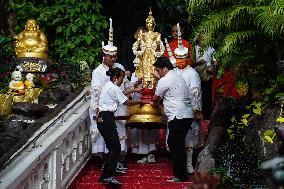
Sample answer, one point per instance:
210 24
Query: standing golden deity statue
147 49
31 42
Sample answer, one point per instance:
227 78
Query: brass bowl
144 114
143 118
144 109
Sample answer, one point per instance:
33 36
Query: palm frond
277 7
192 5
270 23
233 39
225 20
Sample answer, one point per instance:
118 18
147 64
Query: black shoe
120 170
103 166
110 180
175 179
120 165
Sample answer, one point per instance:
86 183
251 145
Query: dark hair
163 62
114 72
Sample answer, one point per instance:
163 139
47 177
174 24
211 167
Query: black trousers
108 130
178 129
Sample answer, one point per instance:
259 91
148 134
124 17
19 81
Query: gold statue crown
150 17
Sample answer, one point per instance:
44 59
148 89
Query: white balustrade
54 154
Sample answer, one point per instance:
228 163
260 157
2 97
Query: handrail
44 128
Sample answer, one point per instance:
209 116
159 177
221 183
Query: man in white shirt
172 89
193 83
99 79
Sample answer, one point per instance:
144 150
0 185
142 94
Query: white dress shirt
111 96
193 83
172 88
205 54
99 79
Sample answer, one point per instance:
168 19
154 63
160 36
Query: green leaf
74 28
248 107
233 119
232 126
246 116
59 29
278 95
268 139
56 20
257 111
245 122
232 136
88 39
280 119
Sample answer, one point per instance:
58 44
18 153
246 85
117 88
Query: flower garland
138 44
161 50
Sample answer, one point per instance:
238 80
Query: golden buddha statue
147 49
31 42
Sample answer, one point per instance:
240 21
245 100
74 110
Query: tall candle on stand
180 46
110 33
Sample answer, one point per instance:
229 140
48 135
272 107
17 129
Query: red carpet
148 176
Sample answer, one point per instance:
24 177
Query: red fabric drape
227 82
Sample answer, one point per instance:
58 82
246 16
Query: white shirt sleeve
195 90
119 96
161 88
96 87
209 55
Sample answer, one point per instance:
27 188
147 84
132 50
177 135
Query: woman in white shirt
111 97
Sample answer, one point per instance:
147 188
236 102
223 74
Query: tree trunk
220 120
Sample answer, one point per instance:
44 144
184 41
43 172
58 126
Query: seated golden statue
147 49
31 42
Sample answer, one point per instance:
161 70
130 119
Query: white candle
166 41
179 34
110 25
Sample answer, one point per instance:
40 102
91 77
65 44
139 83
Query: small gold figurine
147 49
31 42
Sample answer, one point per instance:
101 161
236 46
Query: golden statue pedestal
33 64
6 102
145 115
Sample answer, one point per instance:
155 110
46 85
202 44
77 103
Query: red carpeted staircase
147 176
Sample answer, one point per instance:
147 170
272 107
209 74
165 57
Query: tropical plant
73 28
256 108
7 63
225 179
6 49
245 28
